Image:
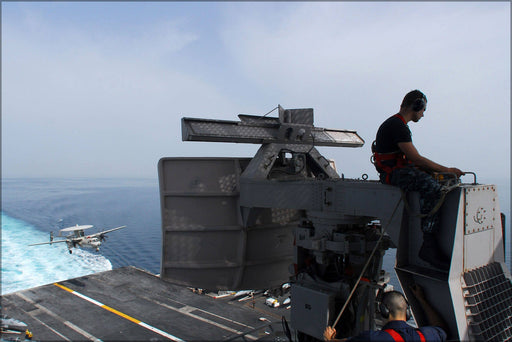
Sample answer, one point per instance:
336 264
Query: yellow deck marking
63 287
120 314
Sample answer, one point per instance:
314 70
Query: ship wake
25 267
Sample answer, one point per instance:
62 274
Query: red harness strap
398 157
398 338
401 118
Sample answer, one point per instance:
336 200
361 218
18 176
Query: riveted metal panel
480 208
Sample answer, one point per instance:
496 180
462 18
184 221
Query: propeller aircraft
75 237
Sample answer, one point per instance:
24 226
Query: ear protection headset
419 104
384 310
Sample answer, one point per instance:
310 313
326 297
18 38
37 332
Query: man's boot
431 253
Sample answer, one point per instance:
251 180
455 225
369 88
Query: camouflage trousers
413 179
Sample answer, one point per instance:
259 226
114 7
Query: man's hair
395 302
412 96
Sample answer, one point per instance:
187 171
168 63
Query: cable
444 191
313 142
270 112
367 263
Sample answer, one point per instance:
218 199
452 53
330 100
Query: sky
93 89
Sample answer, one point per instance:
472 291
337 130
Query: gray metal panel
205 243
410 269
265 194
480 206
298 116
310 310
254 132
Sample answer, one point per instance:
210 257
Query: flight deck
130 304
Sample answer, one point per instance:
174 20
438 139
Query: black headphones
419 104
383 308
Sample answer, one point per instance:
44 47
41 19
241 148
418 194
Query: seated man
395 309
399 163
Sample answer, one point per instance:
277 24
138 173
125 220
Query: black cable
286 328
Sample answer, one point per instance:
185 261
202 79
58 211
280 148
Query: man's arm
412 154
330 335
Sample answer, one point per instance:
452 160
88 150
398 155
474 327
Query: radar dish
77 227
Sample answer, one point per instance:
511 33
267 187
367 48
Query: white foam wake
25 267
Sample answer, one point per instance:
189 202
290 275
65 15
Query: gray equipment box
310 310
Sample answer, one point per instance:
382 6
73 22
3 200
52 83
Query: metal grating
265 131
488 294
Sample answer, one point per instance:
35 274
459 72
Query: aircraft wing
107 231
47 243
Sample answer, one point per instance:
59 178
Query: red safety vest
398 338
398 157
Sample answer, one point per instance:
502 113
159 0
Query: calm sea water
31 208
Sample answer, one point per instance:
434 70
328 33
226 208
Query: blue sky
94 89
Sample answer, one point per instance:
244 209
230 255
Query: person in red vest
395 309
400 164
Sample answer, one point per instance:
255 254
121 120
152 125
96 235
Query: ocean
32 208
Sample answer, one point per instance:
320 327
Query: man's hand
456 171
329 333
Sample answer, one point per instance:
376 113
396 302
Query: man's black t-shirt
390 133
